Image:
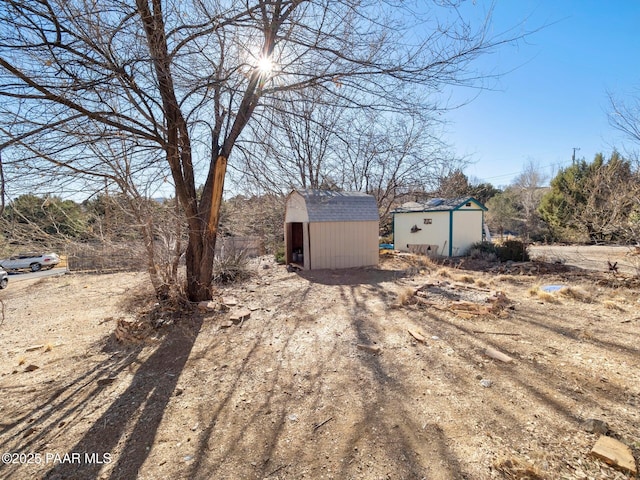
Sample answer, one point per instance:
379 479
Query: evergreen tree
592 201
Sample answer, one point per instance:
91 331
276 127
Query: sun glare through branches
265 65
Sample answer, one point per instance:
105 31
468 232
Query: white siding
468 206
436 233
342 244
296 209
467 230
339 230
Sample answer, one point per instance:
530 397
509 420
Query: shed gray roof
330 206
437 204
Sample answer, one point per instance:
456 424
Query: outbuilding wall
295 209
467 230
436 233
331 230
453 231
343 244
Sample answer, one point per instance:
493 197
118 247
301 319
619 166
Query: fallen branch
278 469
495 333
417 334
497 355
316 427
369 348
471 287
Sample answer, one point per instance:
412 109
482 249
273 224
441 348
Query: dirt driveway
591 257
323 380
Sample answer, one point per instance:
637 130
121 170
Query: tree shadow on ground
353 276
130 423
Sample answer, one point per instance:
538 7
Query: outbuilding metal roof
437 204
330 206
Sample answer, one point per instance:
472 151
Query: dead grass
465 279
536 291
507 279
576 293
515 469
533 290
611 305
444 273
587 335
324 380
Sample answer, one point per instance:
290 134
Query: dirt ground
324 380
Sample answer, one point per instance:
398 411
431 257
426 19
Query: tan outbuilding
327 229
445 227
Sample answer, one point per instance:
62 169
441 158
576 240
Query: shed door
295 242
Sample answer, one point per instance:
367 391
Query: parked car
4 279
32 261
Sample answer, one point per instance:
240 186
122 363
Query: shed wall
342 244
468 206
436 233
467 230
296 209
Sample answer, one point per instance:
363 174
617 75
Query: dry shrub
480 283
424 261
533 290
443 272
406 297
514 250
130 331
548 297
576 294
419 264
465 279
233 267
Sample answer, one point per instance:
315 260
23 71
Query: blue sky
554 95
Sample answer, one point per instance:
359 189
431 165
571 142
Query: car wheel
3 283
35 267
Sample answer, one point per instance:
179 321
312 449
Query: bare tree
316 144
298 147
625 115
502 212
528 191
180 81
612 201
392 155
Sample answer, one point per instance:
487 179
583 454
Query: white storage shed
327 229
445 227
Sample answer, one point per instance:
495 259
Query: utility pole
573 157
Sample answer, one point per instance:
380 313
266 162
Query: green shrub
513 250
280 255
483 251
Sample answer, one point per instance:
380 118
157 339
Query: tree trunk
199 266
202 240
